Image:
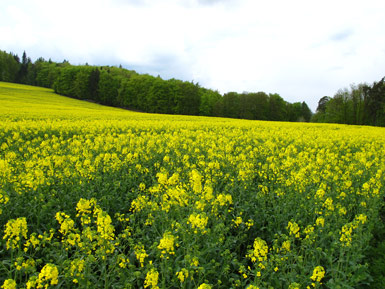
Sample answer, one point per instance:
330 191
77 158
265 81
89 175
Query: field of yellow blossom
99 197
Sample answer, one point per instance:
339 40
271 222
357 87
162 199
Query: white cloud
300 49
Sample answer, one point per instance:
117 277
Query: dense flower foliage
94 197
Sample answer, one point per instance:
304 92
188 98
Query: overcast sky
302 50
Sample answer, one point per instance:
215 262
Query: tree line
361 104
116 86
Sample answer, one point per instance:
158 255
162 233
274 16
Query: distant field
100 197
36 102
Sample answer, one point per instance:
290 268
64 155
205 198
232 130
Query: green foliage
277 107
360 105
248 105
294 111
208 99
187 97
262 106
82 83
305 112
46 73
108 88
231 105
160 97
125 88
374 102
218 108
93 83
135 92
9 66
64 84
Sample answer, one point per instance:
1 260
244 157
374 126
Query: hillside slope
37 102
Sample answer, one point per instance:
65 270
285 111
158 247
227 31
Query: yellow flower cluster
9 284
48 276
318 274
88 239
166 244
84 206
286 246
224 199
140 253
347 229
104 225
110 194
198 221
76 269
260 250
152 279
328 204
238 220
66 223
182 274
3 199
21 264
293 229
196 181
123 261
15 229
320 221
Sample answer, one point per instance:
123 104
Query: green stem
163 274
105 274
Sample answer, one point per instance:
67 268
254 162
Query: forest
362 104
119 87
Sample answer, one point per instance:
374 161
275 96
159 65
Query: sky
300 49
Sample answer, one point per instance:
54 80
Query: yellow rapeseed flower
152 279
85 206
9 284
104 226
286 246
76 269
66 223
237 221
196 181
48 276
320 221
14 230
198 221
3 199
293 229
182 274
259 252
318 274
140 253
166 244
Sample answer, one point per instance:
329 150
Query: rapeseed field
100 197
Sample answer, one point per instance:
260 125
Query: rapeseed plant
48 276
121 199
14 231
167 245
318 274
152 279
9 284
